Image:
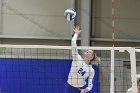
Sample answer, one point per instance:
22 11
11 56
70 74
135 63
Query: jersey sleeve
90 79
74 47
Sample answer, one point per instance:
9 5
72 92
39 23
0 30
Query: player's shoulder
80 57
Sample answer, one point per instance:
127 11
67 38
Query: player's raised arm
77 31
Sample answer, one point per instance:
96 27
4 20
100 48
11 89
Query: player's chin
87 55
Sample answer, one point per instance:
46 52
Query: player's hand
77 30
82 91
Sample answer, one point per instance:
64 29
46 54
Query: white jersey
79 69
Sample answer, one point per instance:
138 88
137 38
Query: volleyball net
45 69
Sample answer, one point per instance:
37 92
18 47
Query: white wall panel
127 22
35 26
35 18
40 7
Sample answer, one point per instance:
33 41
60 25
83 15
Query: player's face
89 54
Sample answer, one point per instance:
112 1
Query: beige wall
44 18
35 18
127 22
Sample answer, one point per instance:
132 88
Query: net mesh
45 70
122 78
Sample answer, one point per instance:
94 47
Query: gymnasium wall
127 22
43 20
31 20
35 17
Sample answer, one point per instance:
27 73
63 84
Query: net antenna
113 44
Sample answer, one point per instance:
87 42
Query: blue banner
37 75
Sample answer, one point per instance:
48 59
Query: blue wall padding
37 75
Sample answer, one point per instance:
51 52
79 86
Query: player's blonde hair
138 81
96 60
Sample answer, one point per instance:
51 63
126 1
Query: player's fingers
78 28
73 29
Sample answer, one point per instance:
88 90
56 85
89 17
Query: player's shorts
71 89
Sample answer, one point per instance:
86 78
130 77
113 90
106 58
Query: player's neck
86 61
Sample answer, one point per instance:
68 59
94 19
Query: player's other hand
82 91
77 30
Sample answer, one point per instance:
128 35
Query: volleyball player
81 68
138 86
